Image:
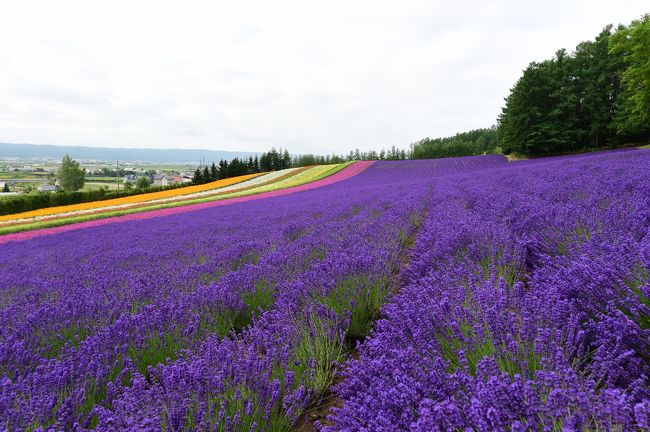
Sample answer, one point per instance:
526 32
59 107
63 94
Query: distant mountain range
47 151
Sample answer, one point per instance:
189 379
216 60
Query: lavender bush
525 306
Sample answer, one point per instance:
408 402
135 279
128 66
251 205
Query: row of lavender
549 326
147 322
525 306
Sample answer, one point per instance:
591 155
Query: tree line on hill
392 153
273 160
474 142
596 97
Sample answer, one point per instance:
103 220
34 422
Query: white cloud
310 76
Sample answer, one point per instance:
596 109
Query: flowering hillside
467 293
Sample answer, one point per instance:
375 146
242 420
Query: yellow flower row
130 199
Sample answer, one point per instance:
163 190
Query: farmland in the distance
447 294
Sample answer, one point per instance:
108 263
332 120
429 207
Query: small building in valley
48 188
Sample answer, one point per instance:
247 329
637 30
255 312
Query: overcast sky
240 75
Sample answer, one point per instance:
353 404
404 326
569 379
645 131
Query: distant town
19 176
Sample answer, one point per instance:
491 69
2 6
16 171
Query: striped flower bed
348 172
131 199
254 182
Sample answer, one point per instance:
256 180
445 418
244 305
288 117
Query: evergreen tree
264 163
214 172
223 169
198 178
597 81
540 113
205 175
274 159
286 159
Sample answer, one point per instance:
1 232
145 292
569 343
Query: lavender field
450 294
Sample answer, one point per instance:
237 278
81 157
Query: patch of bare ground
317 415
514 157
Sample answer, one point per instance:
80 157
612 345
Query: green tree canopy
540 115
596 97
470 143
633 44
142 182
597 84
71 176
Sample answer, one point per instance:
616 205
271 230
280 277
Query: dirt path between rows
316 416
